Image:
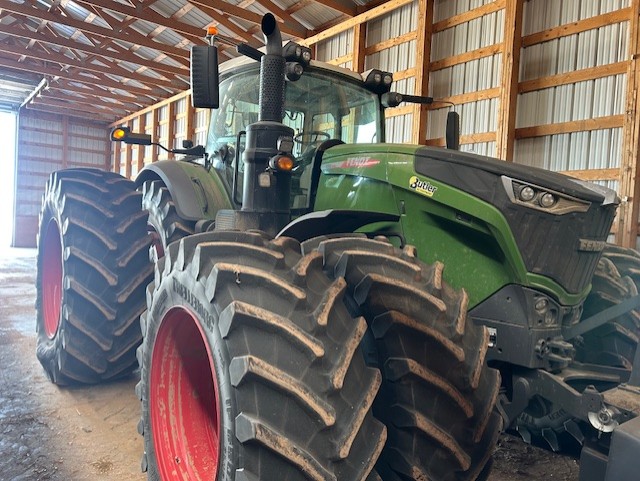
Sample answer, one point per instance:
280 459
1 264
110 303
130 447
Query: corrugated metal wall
467 77
395 58
591 99
48 142
169 123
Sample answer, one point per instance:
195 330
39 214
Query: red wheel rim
51 279
183 398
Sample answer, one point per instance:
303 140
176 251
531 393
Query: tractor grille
564 247
550 245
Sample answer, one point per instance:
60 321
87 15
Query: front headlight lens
547 200
527 194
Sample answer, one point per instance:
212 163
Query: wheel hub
183 399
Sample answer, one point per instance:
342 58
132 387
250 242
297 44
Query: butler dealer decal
422 186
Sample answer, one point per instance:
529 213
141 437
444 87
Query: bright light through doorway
7 177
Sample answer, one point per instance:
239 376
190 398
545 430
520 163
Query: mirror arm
198 150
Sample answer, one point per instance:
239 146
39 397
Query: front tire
92 271
251 367
438 396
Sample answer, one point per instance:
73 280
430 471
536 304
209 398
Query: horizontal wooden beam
593 174
465 17
341 60
622 15
478 138
362 18
404 74
440 103
567 78
154 107
598 123
392 42
398 111
479 53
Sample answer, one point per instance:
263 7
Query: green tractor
298 321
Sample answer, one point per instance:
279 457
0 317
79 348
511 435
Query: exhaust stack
272 71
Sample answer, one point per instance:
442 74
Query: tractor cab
326 106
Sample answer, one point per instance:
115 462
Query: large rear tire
93 266
251 367
438 396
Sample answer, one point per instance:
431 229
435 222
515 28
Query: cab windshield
319 106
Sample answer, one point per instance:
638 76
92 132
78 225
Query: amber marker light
282 163
212 30
118 133
285 163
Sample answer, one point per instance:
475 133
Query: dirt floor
48 433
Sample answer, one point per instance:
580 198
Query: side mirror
452 134
204 77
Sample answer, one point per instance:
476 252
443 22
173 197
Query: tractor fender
332 221
197 193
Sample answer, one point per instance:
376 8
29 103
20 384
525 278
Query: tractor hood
559 225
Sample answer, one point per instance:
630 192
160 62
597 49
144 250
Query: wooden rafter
59 94
63 105
98 117
92 92
282 14
89 66
247 15
127 36
30 66
192 32
107 56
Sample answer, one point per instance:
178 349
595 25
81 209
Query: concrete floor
48 433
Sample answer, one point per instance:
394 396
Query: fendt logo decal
354 162
422 186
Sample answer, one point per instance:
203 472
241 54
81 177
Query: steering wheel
311 137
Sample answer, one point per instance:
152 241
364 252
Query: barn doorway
8 123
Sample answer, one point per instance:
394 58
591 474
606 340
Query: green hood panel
469 235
